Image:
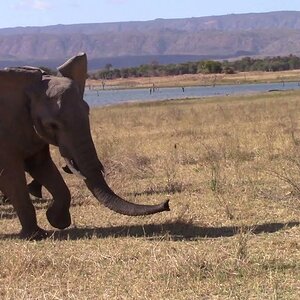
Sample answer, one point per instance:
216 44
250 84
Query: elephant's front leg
42 168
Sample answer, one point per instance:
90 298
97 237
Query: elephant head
60 117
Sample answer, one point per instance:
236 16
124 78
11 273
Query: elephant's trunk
91 168
112 201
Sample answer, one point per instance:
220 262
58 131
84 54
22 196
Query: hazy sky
47 12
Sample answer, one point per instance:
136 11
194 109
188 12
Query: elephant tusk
72 168
39 135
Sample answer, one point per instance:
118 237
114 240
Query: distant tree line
268 64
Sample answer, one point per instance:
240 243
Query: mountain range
125 44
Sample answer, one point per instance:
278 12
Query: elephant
37 110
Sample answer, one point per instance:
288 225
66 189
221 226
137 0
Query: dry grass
196 80
231 169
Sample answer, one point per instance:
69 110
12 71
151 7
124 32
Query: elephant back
18 78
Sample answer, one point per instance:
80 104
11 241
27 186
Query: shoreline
112 97
203 99
193 80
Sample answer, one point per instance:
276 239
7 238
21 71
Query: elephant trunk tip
165 205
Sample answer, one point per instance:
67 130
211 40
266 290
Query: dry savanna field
231 169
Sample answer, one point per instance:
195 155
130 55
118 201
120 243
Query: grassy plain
231 169
196 80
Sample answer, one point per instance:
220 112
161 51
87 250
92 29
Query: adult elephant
37 110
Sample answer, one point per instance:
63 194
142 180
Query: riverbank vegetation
196 80
230 167
246 64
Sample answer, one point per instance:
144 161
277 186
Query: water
106 97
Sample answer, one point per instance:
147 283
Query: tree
108 67
212 67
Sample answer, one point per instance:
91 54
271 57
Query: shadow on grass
176 231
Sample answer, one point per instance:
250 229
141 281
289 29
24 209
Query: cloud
33 4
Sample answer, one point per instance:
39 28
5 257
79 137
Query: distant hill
163 40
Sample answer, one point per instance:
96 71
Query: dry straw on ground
231 169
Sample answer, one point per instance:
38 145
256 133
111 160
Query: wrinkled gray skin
37 110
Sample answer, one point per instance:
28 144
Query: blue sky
47 12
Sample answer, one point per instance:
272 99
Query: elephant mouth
71 167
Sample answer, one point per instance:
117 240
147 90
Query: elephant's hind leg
35 189
13 184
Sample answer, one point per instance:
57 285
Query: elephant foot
36 234
59 218
35 189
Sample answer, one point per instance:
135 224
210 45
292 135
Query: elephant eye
52 125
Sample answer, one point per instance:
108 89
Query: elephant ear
76 69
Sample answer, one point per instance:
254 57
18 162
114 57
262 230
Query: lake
107 97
